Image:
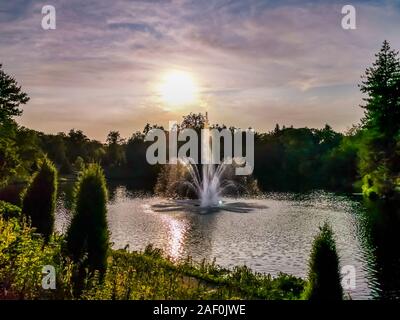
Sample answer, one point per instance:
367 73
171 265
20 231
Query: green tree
79 164
39 198
11 97
115 155
8 210
88 235
381 151
193 121
381 83
324 281
76 142
9 160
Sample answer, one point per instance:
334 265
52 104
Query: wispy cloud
258 62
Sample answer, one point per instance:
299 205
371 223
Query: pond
270 234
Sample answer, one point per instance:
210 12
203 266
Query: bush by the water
88 235
8 210
39 198
324 281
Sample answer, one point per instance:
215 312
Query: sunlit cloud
259 62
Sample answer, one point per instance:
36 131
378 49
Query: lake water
271 234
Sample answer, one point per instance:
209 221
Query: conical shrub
324 275
88 235
39 198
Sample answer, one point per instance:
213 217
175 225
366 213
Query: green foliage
8 210
22 257
341 162
88 235
380 154
19 151
195 121
149 275
39 198
381 83
11 97
129 275
79 164
301 158
9 160
324 281
377 183
115 155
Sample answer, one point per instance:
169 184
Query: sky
254 63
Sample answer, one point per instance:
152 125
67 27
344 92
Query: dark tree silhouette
381 83
88 233
11 97
39 199
324 276
380 158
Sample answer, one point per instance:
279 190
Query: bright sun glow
178 88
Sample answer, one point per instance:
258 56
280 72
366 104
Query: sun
178 88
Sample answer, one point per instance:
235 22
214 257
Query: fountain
210 184
208 181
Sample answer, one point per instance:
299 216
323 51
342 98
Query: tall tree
88 235
381 83
39 199
114 137
380 157
76 145
11 97
324 281
115 154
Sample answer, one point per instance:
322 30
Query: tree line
365 158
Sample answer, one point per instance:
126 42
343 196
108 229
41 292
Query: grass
129 275
151 275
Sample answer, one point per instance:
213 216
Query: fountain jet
210 184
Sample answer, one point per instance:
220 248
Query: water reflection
193 206
381 225
176 234
270 234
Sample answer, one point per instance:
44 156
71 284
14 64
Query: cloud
257 61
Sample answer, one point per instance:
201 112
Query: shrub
88 236
324 276
23 255
8 210
79 164
39 198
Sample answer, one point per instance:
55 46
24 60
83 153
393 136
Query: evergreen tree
88 236
381 83
39 199
380 157
11 96
324 276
